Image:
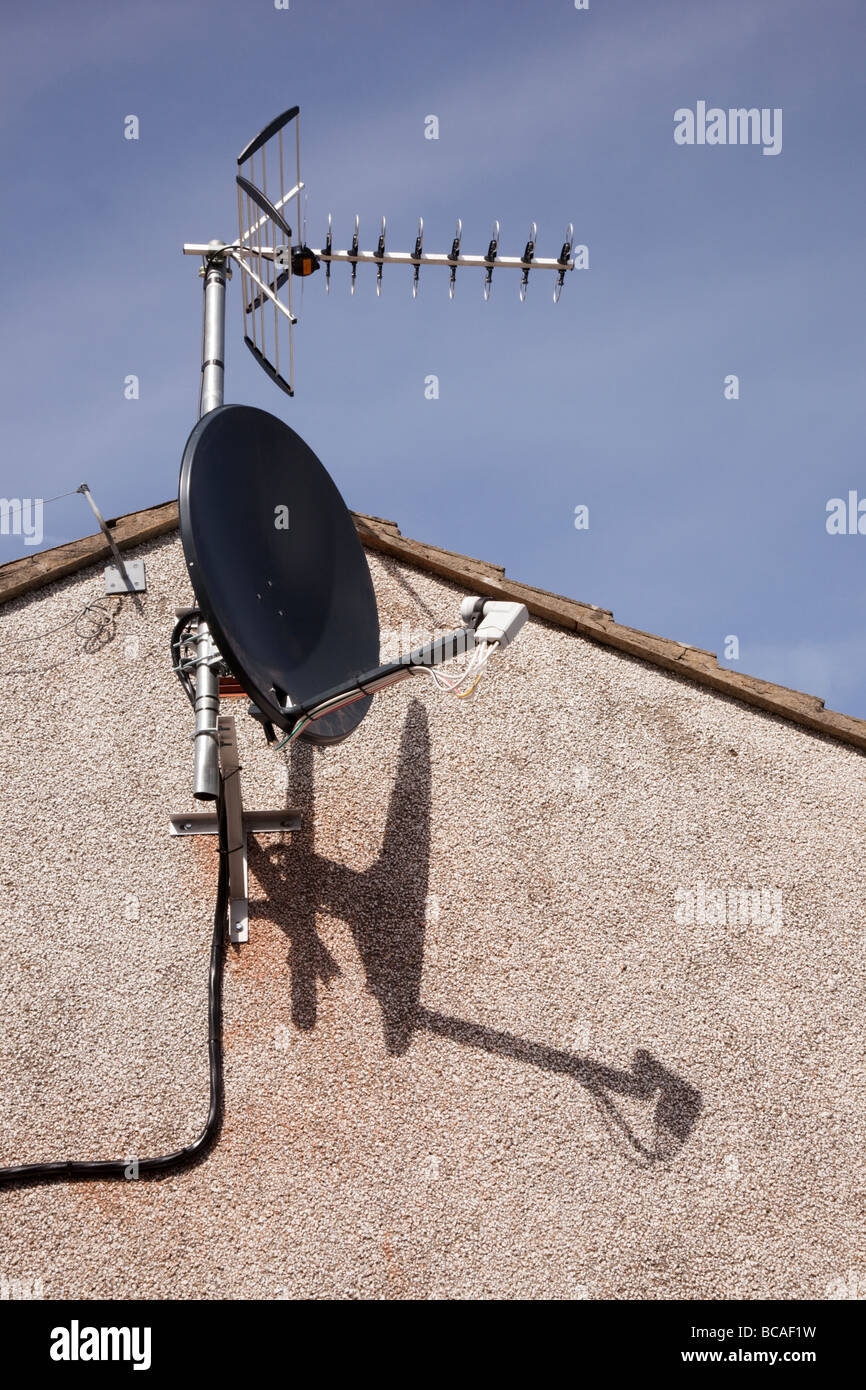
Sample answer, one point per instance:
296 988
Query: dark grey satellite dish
290 606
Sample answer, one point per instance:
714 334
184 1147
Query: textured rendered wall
474 1047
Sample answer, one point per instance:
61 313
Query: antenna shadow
384 907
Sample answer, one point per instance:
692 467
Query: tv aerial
270 255
285 609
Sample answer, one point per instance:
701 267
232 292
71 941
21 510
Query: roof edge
31 572
19 577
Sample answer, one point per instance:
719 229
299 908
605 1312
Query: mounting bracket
124 576
239 824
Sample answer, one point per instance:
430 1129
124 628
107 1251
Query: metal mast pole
213 346
207 701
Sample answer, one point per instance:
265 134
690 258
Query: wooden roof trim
34 571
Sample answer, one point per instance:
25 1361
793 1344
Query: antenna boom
440 258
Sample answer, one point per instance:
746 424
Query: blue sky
707 515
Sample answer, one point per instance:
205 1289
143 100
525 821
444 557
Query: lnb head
493 619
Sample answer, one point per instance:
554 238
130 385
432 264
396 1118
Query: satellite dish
278 570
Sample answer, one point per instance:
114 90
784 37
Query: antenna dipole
455 257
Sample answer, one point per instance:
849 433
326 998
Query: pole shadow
384 907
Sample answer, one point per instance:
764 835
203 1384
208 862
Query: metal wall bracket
122 577
131 580
239 824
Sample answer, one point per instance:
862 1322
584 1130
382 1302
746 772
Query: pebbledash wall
558 993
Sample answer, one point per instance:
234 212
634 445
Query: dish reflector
276 564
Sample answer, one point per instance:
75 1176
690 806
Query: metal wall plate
255 822
115 583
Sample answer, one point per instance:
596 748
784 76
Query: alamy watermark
22 516
846 517
397 644
851 1284
706 906
24 1286
737 126
77 1343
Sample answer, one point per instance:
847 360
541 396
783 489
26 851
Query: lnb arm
490 625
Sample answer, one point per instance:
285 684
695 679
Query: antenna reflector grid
264 247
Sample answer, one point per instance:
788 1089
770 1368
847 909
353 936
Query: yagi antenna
271 250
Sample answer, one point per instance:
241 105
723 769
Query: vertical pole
207 701
213 352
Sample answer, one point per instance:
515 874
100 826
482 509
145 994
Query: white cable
464 680
459 683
